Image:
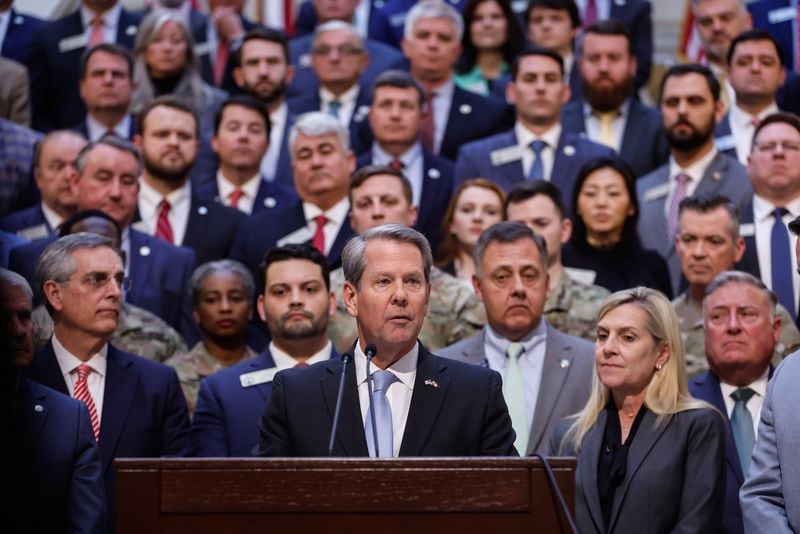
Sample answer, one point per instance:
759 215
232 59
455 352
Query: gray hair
57 263
316 124
113 141
507 232
740 277
433 9
231 266
12 279
52 137
354 260
336 25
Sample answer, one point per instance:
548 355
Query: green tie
514 392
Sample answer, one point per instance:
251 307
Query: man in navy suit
53 169
396 118
368 14
609 113
52 471
16 42
432 44
338 58
741 331
55 58
295 307
537 148
136 405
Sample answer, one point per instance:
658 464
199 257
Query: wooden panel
139 502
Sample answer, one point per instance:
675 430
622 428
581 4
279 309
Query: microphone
551 481
370 353
346 358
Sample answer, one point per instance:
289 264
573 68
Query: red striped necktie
82 394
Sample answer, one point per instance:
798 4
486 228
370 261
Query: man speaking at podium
422 405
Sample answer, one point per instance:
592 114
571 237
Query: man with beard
608 113
690 106
168 137
295 306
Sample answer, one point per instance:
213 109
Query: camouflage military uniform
690 319
139 331
572 307
194 366
454 313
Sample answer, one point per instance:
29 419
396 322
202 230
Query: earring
658 367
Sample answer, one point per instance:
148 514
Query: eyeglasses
343 50
772 146
97 280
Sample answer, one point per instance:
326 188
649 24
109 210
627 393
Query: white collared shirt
249 190
569 63
97 130
269 163
95 381
336 217
763 221
361 17
603 8
531 361
52 218
125 246
413 167
347 103
754 404
110 20
284 360
5 20
742 129
525 137
398 393
441 111
180 202
695 171
593 127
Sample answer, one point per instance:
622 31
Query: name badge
257 377
73 43
501 156
201 49
747 229
34 232
726 142
398 19
654 193
782 14
299 236
584 276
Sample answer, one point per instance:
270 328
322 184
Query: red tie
396 164
96 35
590 15
301 364
235 197
163 228
428 135
82 394
319 236
221 61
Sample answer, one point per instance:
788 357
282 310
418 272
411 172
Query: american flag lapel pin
431 382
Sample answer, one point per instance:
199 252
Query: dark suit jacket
52 465
782 30
456 410
54 74
358 121
225 421
30 219
644 146
474 160
199 23
635 14
378 27
473 117
271 196
144 412
17 43
723 137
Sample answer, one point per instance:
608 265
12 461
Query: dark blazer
144 412
16 165
644 146
271 196
473 117
474 160
29 222
723 137
55 476
199 25
358 121
226 417
19 34
782 29
55 69
437 188
635 14
378 27
456 410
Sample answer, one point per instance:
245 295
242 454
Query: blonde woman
650 457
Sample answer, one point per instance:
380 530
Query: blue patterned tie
537 169
334 108
782 262
742 425
382 379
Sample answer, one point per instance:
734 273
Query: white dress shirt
441 111
269 163
763 221
249 192
110 20
413 167
97 130
525 137
336 217
180 202
398 393
742 129
569 63
5 19
695 171
52 218
754 404
593 127
283 360
95 381
347 103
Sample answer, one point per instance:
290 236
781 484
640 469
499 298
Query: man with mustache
690 106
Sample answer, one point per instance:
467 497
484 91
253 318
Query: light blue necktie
382 379
537 169
334 108
514 393
781 260
742 425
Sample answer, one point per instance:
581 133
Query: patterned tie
428 134
679 194
397 165
221 61
742 425
590 15
537 168
334 108
381 379
96 33
607 136
514 393
319 236
235 197
781 260
81 393
163 227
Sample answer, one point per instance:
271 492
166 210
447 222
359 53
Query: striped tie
82 394
163 227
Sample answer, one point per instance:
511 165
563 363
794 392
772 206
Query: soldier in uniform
380 195
572 305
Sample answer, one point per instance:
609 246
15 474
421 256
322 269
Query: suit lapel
708 389
46 371
120 387
590 456
629 147
350 434
426 403
263 361
33 418
572 118
196 226
474 353
139 265
431 187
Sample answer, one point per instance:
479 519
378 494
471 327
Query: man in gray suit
690 107
546 375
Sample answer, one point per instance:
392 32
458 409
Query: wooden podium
409 496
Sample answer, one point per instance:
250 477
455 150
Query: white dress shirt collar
405 369
284 360
695 171
525 137
96 130
249 189
413 166
53 219
336 216
179 205
110 20
347 103
756 401
68 364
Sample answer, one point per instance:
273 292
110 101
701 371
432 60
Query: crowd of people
469 202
